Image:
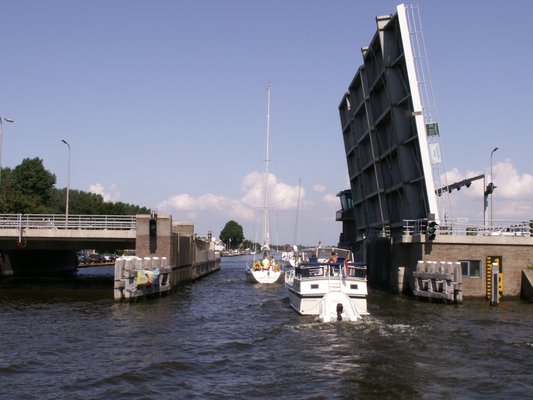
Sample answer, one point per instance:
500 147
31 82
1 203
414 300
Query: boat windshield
323 253
315 269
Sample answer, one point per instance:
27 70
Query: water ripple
224 338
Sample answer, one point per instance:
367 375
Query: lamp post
68 182
491 183
2 119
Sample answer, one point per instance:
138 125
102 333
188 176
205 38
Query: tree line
233 236
30 189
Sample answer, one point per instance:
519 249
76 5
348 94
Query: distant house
219 245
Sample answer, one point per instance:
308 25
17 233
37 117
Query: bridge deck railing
472 227
61 221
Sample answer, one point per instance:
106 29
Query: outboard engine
340 308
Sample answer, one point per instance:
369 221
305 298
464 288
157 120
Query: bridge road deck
53 231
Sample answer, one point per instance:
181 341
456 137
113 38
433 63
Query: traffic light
490 188
432 230
152 232
152 227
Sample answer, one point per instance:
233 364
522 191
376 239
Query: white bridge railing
471 227
60 221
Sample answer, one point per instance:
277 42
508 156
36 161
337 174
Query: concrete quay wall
392 261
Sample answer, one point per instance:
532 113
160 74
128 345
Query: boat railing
326 270
357 271
289 276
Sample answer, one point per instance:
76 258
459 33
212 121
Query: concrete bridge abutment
189 256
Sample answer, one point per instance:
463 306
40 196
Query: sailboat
266 270
291 258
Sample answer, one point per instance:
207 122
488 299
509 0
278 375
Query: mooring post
495 287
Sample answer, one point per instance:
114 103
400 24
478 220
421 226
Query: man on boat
333 257
266 262
272 264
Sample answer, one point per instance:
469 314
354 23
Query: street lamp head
68 182
7 119
491 185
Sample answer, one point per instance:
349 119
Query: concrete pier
392 261
141 277
440 281
170 249
527 284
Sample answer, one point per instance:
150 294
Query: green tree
79 202
31 187
232 231
6 191
87 203
248 244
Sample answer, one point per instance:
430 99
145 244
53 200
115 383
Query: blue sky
164 102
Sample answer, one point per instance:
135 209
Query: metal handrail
471 227
60 221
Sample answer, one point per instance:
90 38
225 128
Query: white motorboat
330 290
266 270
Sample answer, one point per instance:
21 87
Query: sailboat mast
266 218
295 238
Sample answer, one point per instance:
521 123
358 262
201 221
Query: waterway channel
224 338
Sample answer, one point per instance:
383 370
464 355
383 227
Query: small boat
267 270
331 290
264 272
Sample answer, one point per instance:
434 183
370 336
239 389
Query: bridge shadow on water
85 284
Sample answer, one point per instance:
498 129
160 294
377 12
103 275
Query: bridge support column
5 265
144 243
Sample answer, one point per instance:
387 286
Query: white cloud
280 195
252 189
209 211
113 194
190 206
331 199
180 202
511 198
319 188
511 184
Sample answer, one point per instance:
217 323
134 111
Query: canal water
224 338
